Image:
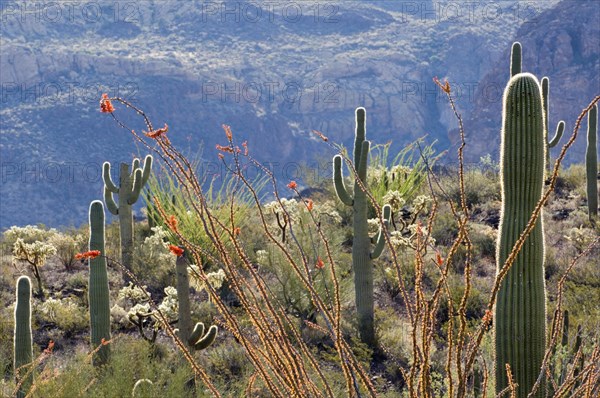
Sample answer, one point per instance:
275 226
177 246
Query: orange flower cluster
172 223
228 132
292 185
176 250
237 231
309 204
320 264
157 133
224 148
87 255
245 145
438 259
105 105
104 341
488 316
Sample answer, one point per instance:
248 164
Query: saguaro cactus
520 315
195 339
98 287
515 68
361 245
591 163
130 186
23 350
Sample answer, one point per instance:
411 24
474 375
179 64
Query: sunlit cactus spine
591 164
520 314
361 244
195 338
23 350
98 292
128 190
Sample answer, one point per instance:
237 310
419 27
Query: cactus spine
98 287
591 163
520 315
23 350
195 339
130 186
361 245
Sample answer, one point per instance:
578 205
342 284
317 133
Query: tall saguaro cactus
98 287
23 350
128 190
195 339
515 68
520 315
361 245
591 163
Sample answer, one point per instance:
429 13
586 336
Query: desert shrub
65 313
130 361
153 263
67 245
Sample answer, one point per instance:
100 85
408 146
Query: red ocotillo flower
87 255
105 105
176 250
157 133
292 185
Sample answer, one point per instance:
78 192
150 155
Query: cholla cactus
35 255
128 190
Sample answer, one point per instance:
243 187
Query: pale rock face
197 71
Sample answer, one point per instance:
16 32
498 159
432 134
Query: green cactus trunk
184 324
130 186
520 315
23 349
361 244
591 164
98 287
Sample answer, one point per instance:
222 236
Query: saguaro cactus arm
380 241
108 183
560 127
338 182
199 340
515 59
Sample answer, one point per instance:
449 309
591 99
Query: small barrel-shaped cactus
591 163
23 350
98 287
520 316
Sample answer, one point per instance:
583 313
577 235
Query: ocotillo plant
130 186
515 68
23 350
98 286
520 316
591 163
195 338
361 244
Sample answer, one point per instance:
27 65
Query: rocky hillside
273 72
